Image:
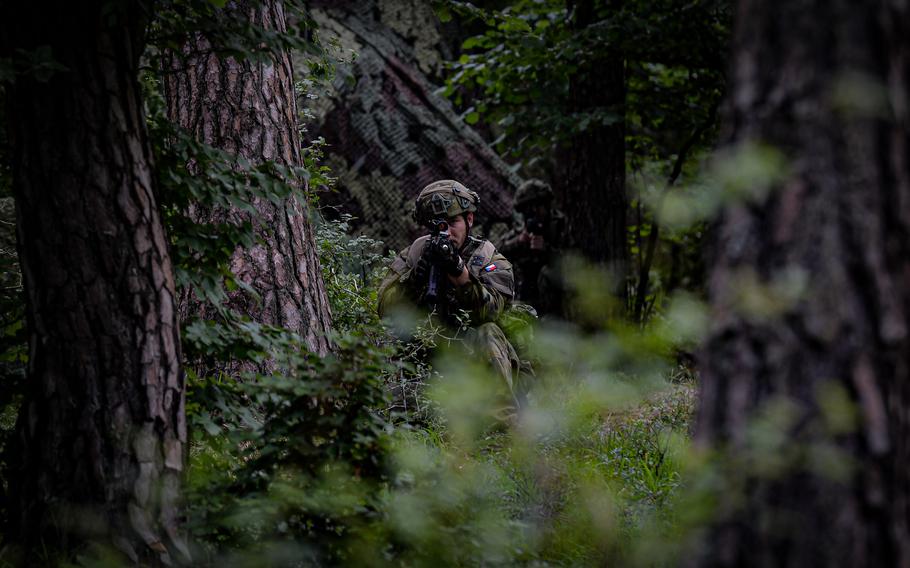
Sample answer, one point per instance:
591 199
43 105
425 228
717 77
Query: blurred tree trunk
249 108
100 446
809 398
594 193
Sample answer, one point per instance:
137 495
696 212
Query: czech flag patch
489 267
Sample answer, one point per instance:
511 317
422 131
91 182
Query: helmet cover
532 190
444 199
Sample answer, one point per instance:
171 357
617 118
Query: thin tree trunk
595 200
249 108
101 437
812 401
644 274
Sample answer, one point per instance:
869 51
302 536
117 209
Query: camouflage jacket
489 289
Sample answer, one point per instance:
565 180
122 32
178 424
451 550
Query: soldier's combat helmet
531 191
444 199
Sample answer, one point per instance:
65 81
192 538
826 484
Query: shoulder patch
490 267
477 260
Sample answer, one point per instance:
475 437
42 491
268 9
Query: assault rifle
439 239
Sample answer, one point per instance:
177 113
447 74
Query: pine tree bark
249 109
827 84
594 193
101 438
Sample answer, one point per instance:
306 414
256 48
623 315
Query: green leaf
471 42
513 24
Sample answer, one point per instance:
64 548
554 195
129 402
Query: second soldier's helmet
531 191
444 199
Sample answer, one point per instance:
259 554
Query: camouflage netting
389 133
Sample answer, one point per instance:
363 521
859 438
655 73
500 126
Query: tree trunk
594 193
248 108
810 402
101 437
389 131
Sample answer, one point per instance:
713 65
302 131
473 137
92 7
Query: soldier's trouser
491 342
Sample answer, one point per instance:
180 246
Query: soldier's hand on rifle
446 257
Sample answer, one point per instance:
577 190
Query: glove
445 255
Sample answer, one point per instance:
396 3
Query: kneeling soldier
449 271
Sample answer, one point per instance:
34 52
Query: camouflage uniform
485 297
538 275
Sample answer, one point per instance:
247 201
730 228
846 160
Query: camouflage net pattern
415 21
390 134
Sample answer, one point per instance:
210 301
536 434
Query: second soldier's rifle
439 240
